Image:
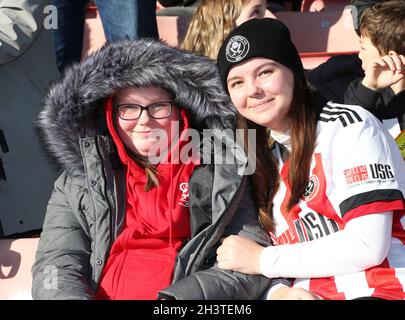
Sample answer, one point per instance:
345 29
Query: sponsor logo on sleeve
371 173
356 174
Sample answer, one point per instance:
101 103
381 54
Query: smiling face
253 9
262 91
137 135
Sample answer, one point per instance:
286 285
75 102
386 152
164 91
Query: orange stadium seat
16 259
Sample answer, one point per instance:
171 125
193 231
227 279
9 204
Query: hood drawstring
170 217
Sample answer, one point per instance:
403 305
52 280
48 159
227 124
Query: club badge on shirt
311 188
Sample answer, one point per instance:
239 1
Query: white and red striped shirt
356 170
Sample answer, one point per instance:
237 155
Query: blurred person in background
214 20
27 68
124 19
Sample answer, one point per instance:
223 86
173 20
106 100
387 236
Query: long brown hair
151 171
265 180
210 24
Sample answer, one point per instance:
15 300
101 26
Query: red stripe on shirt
374 207
326 288
321 203
398 227
386 283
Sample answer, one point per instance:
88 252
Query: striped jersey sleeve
367 173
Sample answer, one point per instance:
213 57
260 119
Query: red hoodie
142 258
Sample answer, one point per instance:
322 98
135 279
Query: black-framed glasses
131 111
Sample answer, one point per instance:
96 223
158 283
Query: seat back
317 35
172 29
320 35
328 31
16 259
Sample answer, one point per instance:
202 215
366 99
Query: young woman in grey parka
88 212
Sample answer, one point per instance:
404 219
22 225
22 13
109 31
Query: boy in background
382 40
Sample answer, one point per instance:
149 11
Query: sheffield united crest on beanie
237 48
267 38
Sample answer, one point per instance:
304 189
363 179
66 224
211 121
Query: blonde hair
210 24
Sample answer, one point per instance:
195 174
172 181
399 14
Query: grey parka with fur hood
87 206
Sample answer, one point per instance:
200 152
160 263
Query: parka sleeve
218 284
62 265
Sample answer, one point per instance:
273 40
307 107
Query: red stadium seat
320 35
317 35
172 29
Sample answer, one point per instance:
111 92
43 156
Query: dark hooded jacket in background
27 67
383 103
87 207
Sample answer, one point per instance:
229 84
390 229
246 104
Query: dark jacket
182 3
331 78
384 104
27 67
87 207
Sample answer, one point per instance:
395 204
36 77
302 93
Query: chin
143 152
265 123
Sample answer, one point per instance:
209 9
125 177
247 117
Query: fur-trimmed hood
73 107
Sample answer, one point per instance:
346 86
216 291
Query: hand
287 293
384 72
239 254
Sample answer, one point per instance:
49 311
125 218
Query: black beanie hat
267 38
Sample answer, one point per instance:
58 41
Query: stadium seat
16 259
317 35
172 29
320 35
328 31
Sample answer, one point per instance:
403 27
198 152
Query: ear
392 53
